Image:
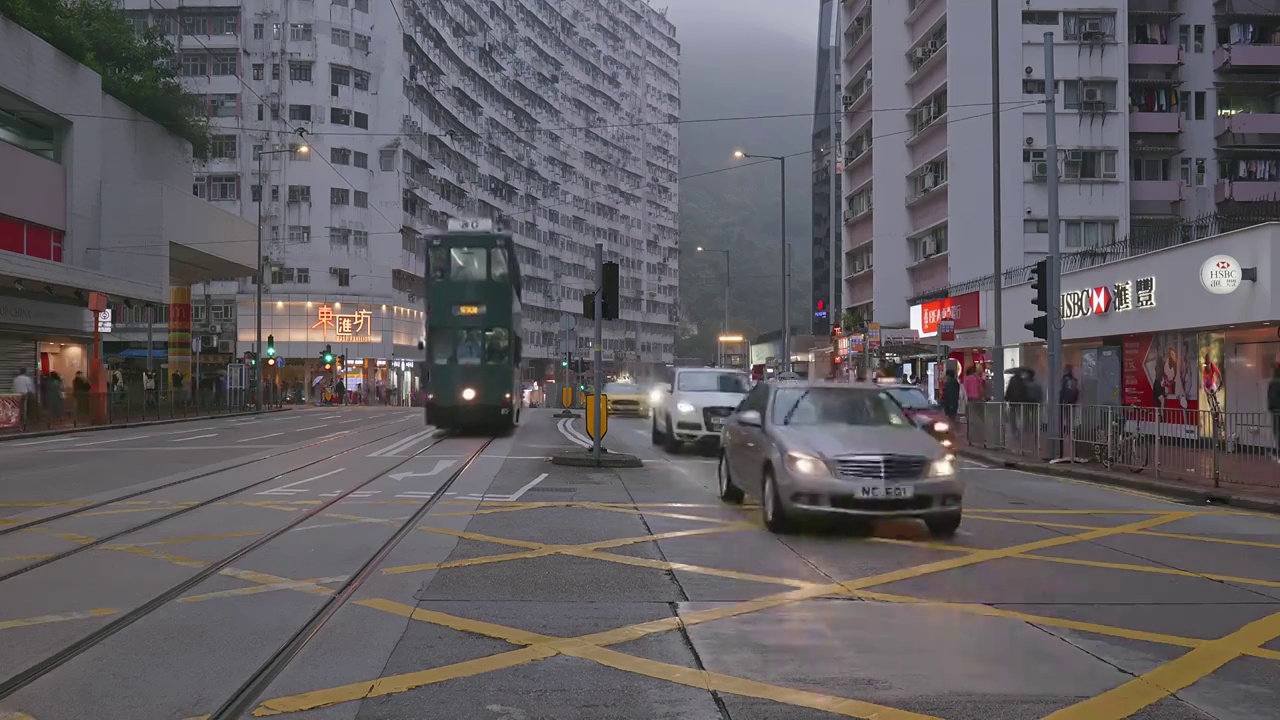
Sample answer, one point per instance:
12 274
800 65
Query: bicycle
1123 447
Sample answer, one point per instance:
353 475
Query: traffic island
585 458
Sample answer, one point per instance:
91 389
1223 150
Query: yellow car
627 399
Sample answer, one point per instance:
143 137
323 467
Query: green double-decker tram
473 341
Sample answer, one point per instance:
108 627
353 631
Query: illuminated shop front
376 339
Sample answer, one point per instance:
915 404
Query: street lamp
726 292
786 269
302 149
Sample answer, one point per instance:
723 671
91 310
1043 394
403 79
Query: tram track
259 680
127 496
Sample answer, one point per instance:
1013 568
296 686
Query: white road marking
289 489
259 437
395 447
316 427
424 495
571 434
194 437
505 498
516 495
42 442
328 417
345 422
116 440
640 432
356 494
440 465
188 432
247 422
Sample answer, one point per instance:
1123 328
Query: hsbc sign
1120 297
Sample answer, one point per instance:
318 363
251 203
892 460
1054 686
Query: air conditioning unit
847 100
208 342
922 53
1092 94
1040 171
225 346
1091 26
934 45
928 181
868 77
215 329
930 247
1075 155
333 271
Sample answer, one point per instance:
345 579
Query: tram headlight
469 394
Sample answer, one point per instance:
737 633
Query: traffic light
589 306
271 362
327 355
1039 325
271 347
609 286
342 361
250 358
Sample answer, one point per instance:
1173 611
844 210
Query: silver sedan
835 449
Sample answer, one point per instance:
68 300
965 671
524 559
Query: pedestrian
26 387
80 392
951 395
1068 396
53 397
1273 406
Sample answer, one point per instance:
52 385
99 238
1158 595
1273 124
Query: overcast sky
711 20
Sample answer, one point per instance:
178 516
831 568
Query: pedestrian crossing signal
271 347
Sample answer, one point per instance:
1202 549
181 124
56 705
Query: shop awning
139 353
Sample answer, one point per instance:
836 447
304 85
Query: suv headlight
685 407
655 396
941 426
802 464
942 468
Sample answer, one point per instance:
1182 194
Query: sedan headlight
942 468
941 427
808 465
655 396
685 407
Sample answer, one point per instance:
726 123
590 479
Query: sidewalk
1180 485
68 430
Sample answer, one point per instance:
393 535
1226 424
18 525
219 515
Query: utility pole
596 354
997 260
786 274
1054 324
834 309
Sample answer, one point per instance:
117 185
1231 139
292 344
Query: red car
927 415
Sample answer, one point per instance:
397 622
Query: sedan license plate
716 423
881 491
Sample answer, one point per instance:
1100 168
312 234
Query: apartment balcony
928 208
1155 122
859 234
1247 123
922 15
1155 54
930 274
1246 57
1246 191
1169 191
859 287
859 100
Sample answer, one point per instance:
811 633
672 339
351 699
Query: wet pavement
532 591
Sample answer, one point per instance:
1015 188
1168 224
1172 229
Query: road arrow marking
440 467
292 488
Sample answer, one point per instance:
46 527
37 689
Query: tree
136 68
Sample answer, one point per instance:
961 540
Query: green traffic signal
328 357
564 363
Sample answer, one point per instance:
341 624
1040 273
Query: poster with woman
1212 391
1161 371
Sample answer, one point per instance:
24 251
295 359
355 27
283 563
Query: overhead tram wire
692 176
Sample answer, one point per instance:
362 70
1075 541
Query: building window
300 113
281 275
257 31
299 193
1197 42
360 160
225 64
1089 165
360 238
302 276
257 71
1201 173
1089 96
275 193
344 277
338 116
299 234
260 112
361 80
1199 95
362 121
255 192
339 196
300 72
387 160
1034 17
224 187
195 25
1090 233
362 42
339 3
1151 169
223 104
1035 227
225 25
339 75
275 71
340 156
200 187
1184 38
275 31
223 147
1088 27
1185 169
361 199
194 64
300 31
340 37
361 5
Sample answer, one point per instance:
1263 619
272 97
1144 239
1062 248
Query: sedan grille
710 412
883 467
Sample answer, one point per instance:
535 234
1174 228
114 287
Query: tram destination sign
1139 294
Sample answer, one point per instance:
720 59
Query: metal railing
1204 447
31 413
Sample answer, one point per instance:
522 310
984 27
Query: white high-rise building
1162 116
554 119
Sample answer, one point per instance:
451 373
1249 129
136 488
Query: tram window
497 346
439 263
468 264
471 347
441 346
498 264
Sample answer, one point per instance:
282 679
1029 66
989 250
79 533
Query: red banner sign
962 309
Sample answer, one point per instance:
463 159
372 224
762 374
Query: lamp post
786 270
725 329
302 149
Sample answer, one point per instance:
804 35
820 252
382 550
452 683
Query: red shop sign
963 309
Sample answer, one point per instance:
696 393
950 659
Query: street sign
873 336
947 329
196 344
604 417
568 341
566 396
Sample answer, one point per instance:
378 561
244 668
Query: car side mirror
750 418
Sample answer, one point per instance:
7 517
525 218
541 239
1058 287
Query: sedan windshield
835 406
621 389
713 382
910 398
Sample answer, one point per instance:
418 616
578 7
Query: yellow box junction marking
60 617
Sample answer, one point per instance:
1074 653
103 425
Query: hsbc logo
1104 299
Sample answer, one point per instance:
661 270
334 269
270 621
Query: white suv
694 406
